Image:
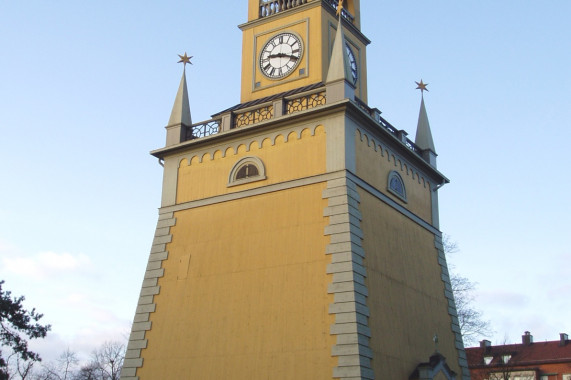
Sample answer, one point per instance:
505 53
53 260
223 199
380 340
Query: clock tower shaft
315 23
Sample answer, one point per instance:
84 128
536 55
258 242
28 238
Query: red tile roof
521 354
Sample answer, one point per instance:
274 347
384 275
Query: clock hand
282 55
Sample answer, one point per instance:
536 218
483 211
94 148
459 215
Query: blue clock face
353 63
281 55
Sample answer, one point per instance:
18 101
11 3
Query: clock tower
298 234
288 45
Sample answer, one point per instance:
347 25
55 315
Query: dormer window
246 170
396 185
506 358
488 359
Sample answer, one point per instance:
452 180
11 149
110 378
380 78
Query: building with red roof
526 361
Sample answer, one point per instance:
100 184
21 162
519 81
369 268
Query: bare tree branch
472 323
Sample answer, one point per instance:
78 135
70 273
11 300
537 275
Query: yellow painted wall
253 9
244 295
285 160
374 167
406 293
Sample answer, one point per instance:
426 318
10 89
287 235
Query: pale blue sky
87 87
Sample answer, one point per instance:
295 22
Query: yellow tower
298 234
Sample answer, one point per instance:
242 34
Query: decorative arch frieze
297 133
405 167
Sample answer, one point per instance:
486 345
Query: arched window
246 170
396 185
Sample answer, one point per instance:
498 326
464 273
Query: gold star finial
422 86
185 59
340 7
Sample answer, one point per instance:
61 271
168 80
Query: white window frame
232 181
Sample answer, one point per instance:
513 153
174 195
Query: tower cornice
351 109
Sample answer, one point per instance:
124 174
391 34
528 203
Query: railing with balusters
401 135
271 7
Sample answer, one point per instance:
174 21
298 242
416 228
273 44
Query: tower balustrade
244 115
271 7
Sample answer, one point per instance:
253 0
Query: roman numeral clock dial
281 55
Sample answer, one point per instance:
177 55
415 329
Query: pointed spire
339 66
181 109
180 114
339 82
423 134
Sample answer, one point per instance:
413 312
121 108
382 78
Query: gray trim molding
146 304
252 192
348 286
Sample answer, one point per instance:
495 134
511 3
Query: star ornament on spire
185 59
422 86
340 8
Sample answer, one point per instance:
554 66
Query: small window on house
506 358
246 170
488 359
396 185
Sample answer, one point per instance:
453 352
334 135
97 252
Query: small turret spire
339 66
423 134
181 109
180 114
339 80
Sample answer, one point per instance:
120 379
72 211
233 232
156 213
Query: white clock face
353 63
281 55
